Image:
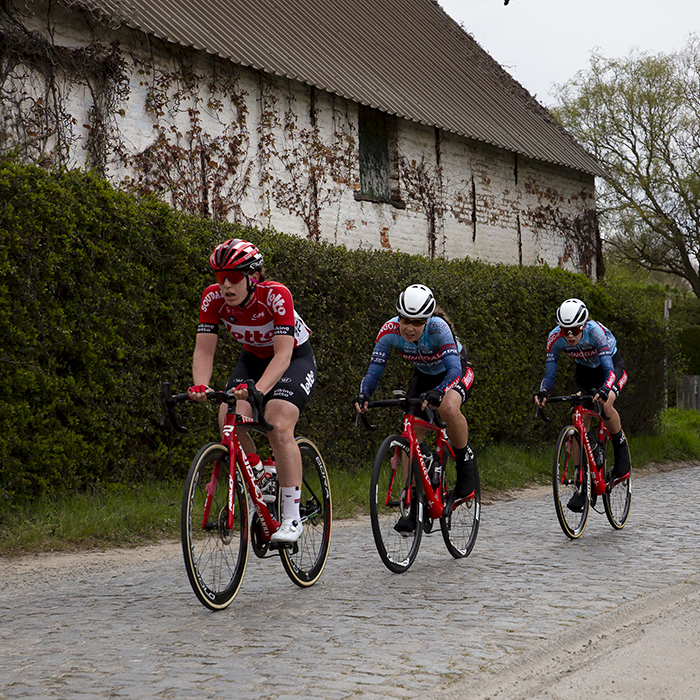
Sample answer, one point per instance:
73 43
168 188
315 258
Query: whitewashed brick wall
465 165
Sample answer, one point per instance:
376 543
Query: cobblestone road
110 626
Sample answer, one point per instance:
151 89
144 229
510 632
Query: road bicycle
216 525
407 476
588 471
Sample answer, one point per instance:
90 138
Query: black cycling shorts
587 379
294 386
422 382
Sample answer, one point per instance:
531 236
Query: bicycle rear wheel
304 561
618 500
390 501
461 526
571 483
215 556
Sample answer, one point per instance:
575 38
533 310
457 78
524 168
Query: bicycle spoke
215 555
305 560
390 506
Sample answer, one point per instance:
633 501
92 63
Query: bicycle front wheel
304 561
461 526
571 483
395 506
215 554
618 500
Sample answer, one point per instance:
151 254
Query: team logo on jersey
209 298
276 302
257 317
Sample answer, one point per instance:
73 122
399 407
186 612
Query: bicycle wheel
461 526
390 501
305 560
571 483
617 502
215 556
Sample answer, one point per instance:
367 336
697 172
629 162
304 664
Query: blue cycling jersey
436 351
596 347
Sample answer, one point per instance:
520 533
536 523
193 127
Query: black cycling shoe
576 503
406 524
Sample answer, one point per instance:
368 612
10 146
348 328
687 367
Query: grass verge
117 515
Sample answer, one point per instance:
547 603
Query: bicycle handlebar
577 399
405 403
168 402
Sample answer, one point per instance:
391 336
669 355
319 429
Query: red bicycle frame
433 495
237 456
599 486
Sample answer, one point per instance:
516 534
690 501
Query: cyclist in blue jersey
600 370
442 376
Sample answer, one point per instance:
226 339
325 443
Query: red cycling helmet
236 254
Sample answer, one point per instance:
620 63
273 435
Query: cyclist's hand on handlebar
541 398
432 398
241 392
198 392
360 403
602 394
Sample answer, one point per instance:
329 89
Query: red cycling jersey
269 312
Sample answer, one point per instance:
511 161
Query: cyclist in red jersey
277 355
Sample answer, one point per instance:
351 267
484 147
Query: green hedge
99 299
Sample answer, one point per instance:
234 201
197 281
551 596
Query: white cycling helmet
416 301
572 312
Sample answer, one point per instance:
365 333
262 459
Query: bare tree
640 116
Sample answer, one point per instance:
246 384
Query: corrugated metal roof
403 57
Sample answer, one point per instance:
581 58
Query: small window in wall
379 172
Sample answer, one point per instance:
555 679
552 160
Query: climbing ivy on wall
207 154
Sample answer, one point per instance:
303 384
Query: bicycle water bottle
270 488
266 476
597 449
429 461
437 470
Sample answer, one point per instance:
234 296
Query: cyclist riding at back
600 370
277 355
442 375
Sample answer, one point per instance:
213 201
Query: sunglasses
573 331
416 322
233 276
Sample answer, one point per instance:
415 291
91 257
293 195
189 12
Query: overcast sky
542 42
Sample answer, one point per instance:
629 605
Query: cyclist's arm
284 346
203 361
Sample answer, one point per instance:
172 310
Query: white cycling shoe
288 533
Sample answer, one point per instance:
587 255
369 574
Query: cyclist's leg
458 432
623 462
284 404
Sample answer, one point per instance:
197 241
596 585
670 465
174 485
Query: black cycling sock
461 457
465 460
617 439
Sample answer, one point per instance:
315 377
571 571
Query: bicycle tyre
386 505
215 557
305 560
460 527
618 500
569 479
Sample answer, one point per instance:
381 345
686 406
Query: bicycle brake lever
256 398
168 410
539 410
366 423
